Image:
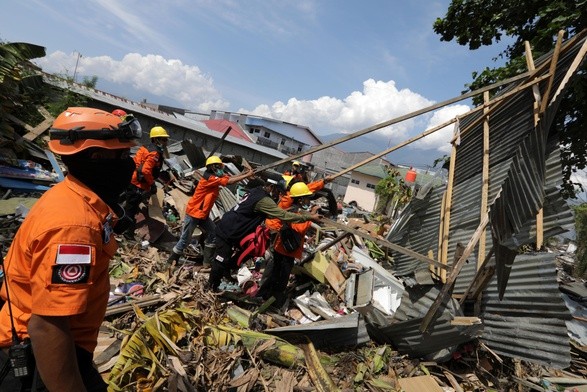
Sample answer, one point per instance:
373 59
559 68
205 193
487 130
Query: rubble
164 331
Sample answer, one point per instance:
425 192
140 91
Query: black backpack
290 238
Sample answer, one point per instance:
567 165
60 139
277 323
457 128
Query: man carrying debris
243 219
148 161
198 208
56 284
286 250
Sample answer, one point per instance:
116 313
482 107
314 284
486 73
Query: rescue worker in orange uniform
275 279
148 161
296 172
56 270
285 202
198 208
255 206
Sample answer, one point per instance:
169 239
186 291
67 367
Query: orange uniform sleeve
150 163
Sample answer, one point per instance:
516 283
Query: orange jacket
57 264
149 161
286 201
205 195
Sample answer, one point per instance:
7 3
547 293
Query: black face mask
108 178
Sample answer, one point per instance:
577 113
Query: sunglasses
129 129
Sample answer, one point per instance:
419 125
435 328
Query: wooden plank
465 321
571 70
448 206
537 99
484 178
42 127
480 272
335 277
419 384
396 147
454 273
440 231
384 243
553 64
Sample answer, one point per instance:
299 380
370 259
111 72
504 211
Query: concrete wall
363 192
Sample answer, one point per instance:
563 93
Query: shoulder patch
73 254
70 273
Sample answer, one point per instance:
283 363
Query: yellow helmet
158 132
287 179
296 163
300 189
214 159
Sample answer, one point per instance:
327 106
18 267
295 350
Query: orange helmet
119 113
77 129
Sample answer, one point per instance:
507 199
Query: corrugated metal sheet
525 167
440 339
510 125
529 322
345 331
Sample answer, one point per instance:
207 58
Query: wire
13 329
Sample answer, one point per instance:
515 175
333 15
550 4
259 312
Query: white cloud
378 102
183 83
440 140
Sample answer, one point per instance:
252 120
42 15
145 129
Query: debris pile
165 331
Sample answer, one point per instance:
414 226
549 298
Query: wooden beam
496 102
537 100
484 177
42 127
448 206
396 147
571 71
454 273
477 276
440 232
383 243
553 64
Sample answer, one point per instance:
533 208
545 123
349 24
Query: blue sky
336 66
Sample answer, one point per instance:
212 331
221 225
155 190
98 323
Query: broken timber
454 273
385 243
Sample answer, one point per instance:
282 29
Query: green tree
392 192
57 99
483 22
20 80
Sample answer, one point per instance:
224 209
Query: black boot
173 257
217 272
208 254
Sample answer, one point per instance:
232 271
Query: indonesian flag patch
72 264
74 254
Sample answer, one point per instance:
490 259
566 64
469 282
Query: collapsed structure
455 272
